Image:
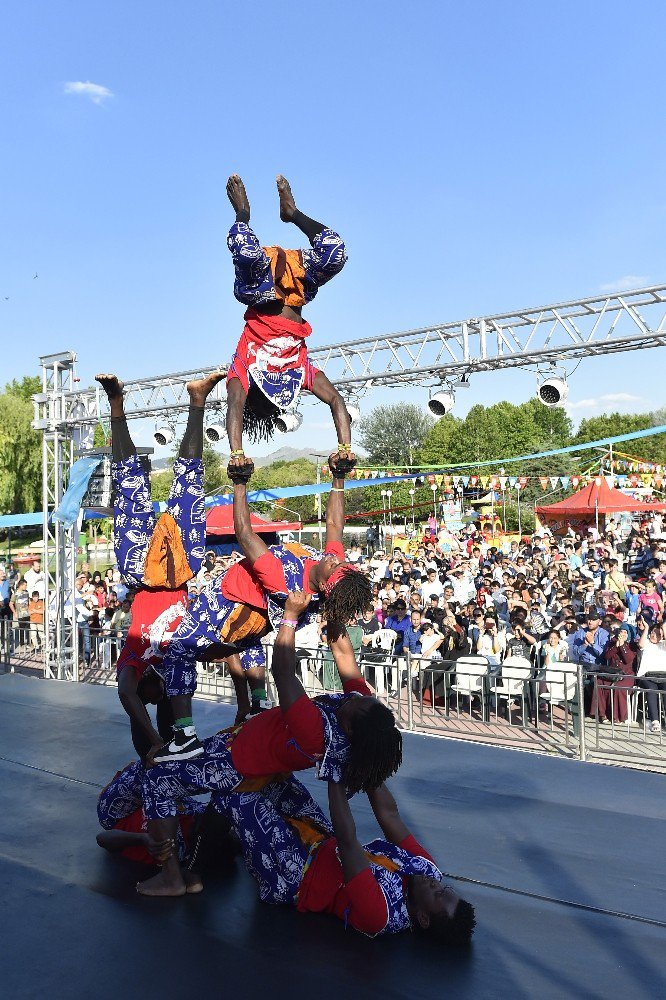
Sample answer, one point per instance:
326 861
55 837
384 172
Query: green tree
653 448
391 435
496 432
20 449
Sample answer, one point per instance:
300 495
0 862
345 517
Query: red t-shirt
136 823
360 901
249 584
275 741
156 614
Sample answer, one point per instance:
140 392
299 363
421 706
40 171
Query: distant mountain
285 454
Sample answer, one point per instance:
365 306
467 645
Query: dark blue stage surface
567 862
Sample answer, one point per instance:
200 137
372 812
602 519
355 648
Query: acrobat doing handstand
270 366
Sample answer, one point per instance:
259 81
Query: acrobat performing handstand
158 557
233 613
270 366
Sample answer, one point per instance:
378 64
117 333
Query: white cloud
625 284
601 403
95 91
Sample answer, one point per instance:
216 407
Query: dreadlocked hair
376 750
456 930
259 415
348 598
214 843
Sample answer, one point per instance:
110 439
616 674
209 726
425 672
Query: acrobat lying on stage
235 610
350 737
297 857
271 366
157 556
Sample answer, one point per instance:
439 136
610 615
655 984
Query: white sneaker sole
188 755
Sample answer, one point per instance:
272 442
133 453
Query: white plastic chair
513 681
471 673
382 648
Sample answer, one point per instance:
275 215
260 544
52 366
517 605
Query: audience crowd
594 598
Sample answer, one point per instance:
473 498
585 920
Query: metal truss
60 544
548 335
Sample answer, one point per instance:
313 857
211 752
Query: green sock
184 722
259 694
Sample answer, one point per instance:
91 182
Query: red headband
336 576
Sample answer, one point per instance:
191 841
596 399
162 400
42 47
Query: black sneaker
185 745
261 706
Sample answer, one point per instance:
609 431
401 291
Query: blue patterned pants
274 853
201 627
134 518
165 785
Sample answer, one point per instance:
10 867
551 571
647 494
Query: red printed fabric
360 902
246 584
276 741
156 614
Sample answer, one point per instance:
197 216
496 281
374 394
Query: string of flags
654 477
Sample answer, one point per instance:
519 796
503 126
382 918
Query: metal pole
520 528
410 693
581 712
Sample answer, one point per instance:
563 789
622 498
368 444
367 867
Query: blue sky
476 158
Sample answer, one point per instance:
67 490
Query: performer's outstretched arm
343 656
251 544
335 507
350 850
289 687
387 815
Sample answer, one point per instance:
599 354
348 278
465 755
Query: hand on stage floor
341 462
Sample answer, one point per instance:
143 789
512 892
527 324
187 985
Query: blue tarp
80 475
21 520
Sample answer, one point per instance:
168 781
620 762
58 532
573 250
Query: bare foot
237 195
193 882
287 203
162 884
201 388
111 384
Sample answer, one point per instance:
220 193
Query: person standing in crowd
36 614
609 698
5 597
34 577
652 670
20 607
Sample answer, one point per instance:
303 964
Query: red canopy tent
220 521
583 508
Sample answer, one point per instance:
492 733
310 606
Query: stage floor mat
564 862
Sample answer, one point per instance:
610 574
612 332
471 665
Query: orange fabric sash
166 559
288 274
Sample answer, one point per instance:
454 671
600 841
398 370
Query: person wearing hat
400 622
609 697
589 642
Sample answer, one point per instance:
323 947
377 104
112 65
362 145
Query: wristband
337 489
236 454
290 622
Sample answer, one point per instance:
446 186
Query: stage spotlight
553 391
289 421
215 432
354 410
163 434
441 402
